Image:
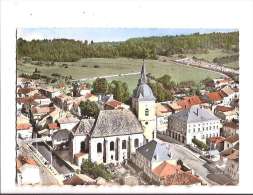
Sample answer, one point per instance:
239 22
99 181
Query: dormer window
155 157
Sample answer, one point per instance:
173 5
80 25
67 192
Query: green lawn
217 53
120 65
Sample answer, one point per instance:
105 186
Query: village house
195 122
151 155
187 102
25 92
143 104
28 172
230 159
24 130
114 104
49 92
231 141
213 98
41 100
163 170
182 178
40 112
174 106
64 102
68 122
163 111
228 95
230 128
219 83
61 139
216 143
226 113
116 135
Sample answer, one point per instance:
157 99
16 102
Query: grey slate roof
84 127
116 122
154 148
62 134
195 114
144 92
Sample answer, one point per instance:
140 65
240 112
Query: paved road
192 160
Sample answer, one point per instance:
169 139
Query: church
143 104
116 134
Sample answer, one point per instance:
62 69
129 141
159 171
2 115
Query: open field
217 53
85 69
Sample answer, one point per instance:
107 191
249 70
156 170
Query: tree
100 86
119 90
89 109
95 170
199 144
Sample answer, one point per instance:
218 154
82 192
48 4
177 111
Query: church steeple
143 78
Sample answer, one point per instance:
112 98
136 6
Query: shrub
199 144
96 66
95 170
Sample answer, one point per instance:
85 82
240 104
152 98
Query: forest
69 50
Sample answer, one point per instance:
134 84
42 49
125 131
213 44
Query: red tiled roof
23 126
27 160
44 109
187 102
223 108
53 126
25 100
165 169
75 180
216 140
231 125
25 90
182 178
113 103
232 138
214 96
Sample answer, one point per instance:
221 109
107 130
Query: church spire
143 78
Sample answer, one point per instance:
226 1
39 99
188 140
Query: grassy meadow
85 68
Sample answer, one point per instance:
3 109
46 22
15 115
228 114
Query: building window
207 128
99 147
111 157
124 144
210 128
146 123
136 143
146 112
111 146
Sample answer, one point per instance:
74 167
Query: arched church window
136 143
99 147
82 146
146 112
111 146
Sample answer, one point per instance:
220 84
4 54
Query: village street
189 159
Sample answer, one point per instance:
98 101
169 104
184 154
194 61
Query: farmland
95 67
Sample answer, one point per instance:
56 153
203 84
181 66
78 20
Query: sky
107 34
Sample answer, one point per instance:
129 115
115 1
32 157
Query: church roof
84 127
116 122
143 91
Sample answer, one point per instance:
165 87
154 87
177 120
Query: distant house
175 107
24 130
28 172
114 104
68 122
61 138
195 122
163 170
23 92
182 178
226 113
230 158
230 128
40 112
41 100
216 143
116 135
218 83
50 92
214 97
231 141
151 155
228 95
163 111
187 102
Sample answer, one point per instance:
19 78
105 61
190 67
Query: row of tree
71 50
226 59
